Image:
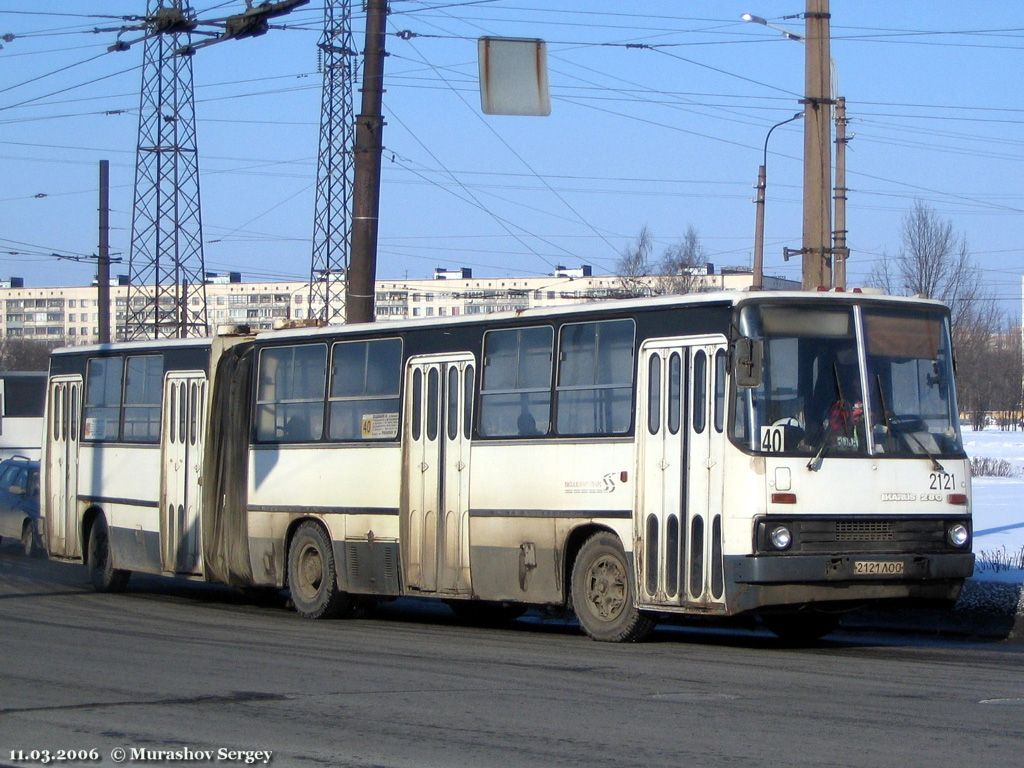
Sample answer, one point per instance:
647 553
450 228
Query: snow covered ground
998 505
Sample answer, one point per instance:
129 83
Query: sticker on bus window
773 439
95 429
379 425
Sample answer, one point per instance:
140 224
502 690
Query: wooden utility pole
362 274
839 249
817 231
103 257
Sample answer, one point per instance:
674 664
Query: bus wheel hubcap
607 587
311 570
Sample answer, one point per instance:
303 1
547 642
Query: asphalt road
188 668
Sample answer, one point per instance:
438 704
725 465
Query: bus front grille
856 535
864 530
840 536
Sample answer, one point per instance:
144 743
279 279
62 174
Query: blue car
19 503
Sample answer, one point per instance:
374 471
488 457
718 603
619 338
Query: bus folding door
680 438
435 494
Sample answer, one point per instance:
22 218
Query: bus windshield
849 381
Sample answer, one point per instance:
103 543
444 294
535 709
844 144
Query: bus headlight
958 535
781 537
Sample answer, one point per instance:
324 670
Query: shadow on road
23 578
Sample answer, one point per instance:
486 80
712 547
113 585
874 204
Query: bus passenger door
680 429
435 494
182 458
661 398
63 411
705 585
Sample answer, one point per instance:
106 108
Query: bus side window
290 397
142 392
595 378
515 395
364 395
103 398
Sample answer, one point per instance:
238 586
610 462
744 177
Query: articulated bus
787 455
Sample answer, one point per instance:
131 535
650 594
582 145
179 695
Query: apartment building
69 315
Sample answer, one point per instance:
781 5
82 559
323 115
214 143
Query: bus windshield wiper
819 456
885 412
894 425
815 463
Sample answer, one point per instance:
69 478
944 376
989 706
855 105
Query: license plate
877 567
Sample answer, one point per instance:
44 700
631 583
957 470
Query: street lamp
762 183
765 23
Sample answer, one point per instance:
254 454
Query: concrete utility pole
762 184
817 231
103 257
839 249
362 275
758 282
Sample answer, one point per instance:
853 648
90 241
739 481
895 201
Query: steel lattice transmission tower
167 293
332 221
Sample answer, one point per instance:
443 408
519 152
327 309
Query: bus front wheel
603 594
102 573
313 575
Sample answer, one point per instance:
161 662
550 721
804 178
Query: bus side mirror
747 357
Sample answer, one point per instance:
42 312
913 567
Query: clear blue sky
666 137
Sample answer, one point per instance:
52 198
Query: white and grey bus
787 454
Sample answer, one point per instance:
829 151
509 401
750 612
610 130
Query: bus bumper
759 581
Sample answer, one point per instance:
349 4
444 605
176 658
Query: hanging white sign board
513 76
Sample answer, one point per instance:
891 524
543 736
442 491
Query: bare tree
679 270
1007 375
682 265
976 342
933 262
989 373
936 263
634 265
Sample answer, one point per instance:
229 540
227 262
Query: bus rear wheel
313 575
603 594
102 573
